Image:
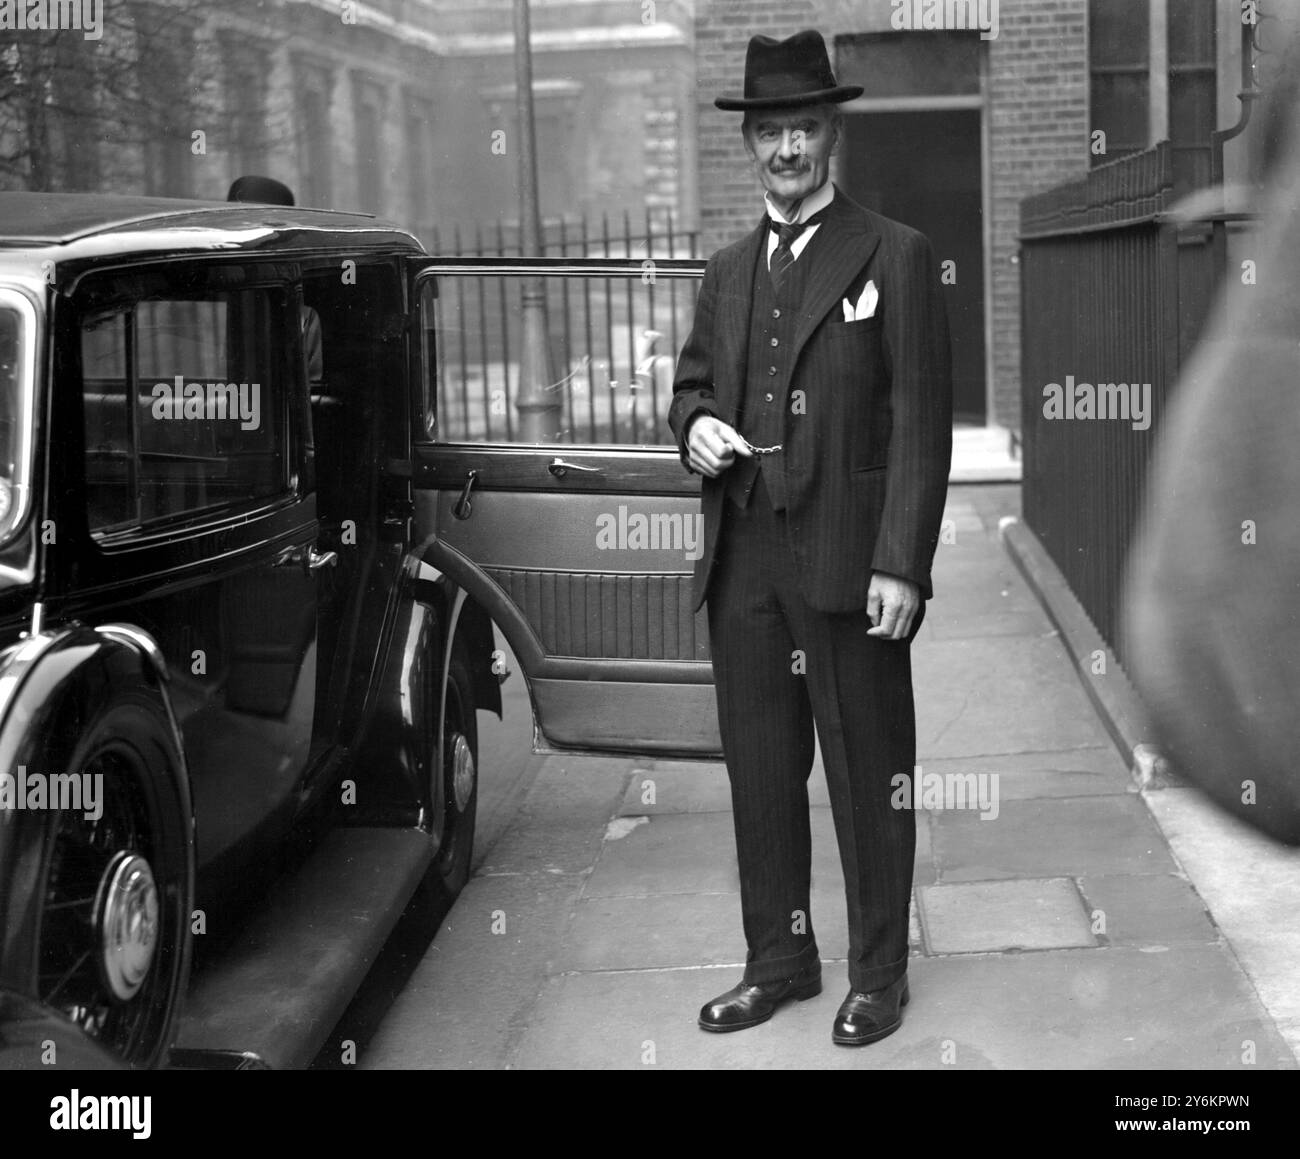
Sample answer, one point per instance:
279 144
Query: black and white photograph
650 535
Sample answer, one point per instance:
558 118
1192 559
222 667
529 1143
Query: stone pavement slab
477 982
696 853
680 930
1088 1009
1152 910
1067 837
977 591
960 516
704 788
654 932
1072 773
972 581
999 694
474 989
672 853
695 787
995 622
1252 887
979 595
831 924
679 788
1067 1009
987 916
559 827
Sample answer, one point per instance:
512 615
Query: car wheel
458 770
117 887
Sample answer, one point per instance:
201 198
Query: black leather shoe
867 1017
746 1005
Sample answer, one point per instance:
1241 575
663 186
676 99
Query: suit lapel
734 310
834 266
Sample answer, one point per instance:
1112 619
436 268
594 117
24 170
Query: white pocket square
866 304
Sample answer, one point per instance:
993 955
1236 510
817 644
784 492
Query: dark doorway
923 169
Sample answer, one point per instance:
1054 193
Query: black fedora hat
788 73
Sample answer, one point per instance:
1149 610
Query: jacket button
768 396
776 342
776 313
771 370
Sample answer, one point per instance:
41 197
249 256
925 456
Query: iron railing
613 337
1115 287
657 235
613 330
1114 293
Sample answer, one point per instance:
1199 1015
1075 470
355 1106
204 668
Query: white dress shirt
813 203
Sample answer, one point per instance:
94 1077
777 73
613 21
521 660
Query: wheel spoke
63 981
72 902
71 964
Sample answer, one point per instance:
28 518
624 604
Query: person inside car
268 191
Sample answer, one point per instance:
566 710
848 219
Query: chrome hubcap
462 772
128 924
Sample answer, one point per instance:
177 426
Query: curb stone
1115 699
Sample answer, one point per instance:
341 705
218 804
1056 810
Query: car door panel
196 528
582 547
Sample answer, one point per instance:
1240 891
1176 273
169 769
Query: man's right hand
713 446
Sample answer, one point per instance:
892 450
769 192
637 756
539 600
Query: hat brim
834 96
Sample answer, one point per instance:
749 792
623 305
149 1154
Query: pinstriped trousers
781 669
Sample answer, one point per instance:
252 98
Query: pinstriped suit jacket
869 442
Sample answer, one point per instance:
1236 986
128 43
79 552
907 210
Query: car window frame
186 277
27 409
427 427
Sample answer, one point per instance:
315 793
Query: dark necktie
783 255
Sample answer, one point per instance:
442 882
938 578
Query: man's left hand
892 603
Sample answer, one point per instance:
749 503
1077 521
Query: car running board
282 986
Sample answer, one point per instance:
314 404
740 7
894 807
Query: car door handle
559 468
308 558
463 508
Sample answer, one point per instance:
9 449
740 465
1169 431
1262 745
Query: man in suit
814 395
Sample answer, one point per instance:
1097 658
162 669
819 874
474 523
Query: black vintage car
264 491
224 659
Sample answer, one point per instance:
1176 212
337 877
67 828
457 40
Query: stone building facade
403 108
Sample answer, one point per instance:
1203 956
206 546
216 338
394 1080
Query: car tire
458 773
116 891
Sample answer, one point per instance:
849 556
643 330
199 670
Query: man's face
792 149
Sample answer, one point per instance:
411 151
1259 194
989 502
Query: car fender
465 618
49 682
429 614
396 741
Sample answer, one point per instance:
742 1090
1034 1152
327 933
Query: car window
588 360
183 402
17 384
358 395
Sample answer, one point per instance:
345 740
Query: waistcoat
771 336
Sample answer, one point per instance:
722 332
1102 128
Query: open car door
547 484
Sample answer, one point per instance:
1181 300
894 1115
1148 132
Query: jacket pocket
842 329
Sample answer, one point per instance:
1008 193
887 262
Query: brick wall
731 197
1035 116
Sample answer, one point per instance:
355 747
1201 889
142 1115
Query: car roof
124 224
